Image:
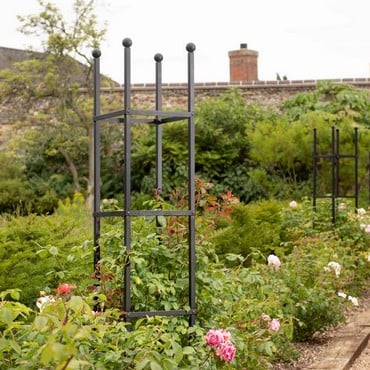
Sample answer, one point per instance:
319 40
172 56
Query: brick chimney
243 64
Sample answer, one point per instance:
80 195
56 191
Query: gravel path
311 352
363 361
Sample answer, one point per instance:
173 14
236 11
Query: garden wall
266 93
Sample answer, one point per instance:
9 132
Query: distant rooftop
9 56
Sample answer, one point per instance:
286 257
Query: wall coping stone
361 81
259 84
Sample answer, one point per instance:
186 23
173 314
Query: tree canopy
55 116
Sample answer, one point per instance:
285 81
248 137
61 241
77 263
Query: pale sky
302 39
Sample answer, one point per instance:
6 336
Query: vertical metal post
369 179
96 147
314 168
191 178
337 157
127 173
158 133
356 166
333 174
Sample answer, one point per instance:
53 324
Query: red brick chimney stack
243 64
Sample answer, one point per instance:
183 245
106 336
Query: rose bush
262 309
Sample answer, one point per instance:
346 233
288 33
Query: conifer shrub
33 249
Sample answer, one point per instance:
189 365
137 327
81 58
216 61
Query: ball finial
190 47
126 42
158 57
96 53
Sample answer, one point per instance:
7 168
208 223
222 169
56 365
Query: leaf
15 346
3 344
46 355
162 221
6 316
178 353
233 257
60 274
155 366
53 352
267 348
54 251
76 303
42 253
188 350
40 323
142 363
169 364
70 258
14 294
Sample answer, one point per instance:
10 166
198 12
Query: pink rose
273 261
226 351
275 325
214 337
226 335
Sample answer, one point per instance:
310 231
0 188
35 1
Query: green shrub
34 249
237 293
254 228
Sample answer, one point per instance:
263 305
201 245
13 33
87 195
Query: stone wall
174 95
266 93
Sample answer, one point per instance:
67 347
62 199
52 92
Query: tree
48 85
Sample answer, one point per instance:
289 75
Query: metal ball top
190 47
126 42
158 57
96 53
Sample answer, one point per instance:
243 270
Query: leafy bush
263 309
34 249
19 195
250 150
254 228
15 194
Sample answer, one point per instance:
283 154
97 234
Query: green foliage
302 294
258 154
34 249
57 136
254 230
221 146
14 192
286 158
249 150
342 101
220 134
19 195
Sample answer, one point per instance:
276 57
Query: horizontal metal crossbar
160 313
335 196
106 116
154 212
335 156
122 112
149 121
152 121
159 113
